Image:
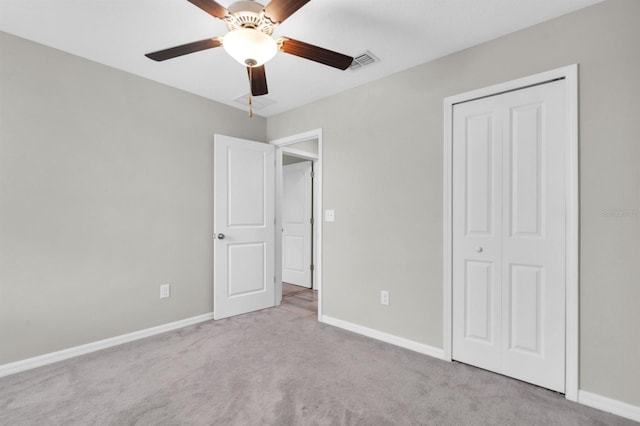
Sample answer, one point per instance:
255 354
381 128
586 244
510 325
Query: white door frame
281 148
570 74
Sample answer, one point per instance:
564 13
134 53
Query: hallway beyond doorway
299 300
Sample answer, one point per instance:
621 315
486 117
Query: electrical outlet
384 297
165 291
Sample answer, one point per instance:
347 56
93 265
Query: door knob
220 236
479 249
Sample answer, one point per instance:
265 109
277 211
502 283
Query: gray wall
105 193
287 160
382 156
310 145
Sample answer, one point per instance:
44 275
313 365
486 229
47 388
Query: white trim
384 337
572 316
570 74
609 405
281 145
300 137
299 153
447 232
50 358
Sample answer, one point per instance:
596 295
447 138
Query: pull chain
250 89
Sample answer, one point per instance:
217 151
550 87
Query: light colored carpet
274 367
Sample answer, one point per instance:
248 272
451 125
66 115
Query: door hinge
313 267
313 174
311 221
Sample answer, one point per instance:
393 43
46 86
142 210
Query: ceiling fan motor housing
249 39
248 14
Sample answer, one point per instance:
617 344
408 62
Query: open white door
244 225
296 223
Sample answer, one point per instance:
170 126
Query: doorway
300 151
509 191
248 267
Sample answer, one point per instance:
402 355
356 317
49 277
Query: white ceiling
401 33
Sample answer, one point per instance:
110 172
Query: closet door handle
479 249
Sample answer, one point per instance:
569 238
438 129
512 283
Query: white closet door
477 233
509 234
533 229
296 223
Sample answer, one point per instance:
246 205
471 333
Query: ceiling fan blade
258 80
173 52
279 10
212 7
315 53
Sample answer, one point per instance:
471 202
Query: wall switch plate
165 291
329 215
384 297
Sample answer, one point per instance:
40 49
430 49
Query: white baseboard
609 405
385 337
50 358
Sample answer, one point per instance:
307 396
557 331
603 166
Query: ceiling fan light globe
250 47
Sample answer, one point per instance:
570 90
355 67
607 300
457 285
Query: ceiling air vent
258 102
363 60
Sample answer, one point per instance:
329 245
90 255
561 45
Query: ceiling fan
249 38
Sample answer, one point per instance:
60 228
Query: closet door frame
570 75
